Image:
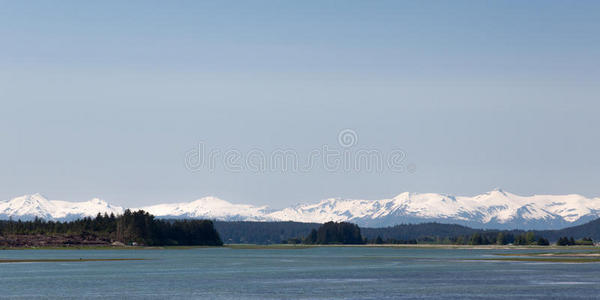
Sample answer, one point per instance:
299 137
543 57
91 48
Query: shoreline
305 246
7 261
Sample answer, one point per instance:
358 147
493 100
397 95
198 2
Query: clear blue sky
104 99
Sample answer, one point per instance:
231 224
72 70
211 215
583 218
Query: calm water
317 273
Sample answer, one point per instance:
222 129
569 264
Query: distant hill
590 229
277 232
420 231
407 232
244 232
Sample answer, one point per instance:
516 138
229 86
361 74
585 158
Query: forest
131 228
141 228
335 233
424 233
246 232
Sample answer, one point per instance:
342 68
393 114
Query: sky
113 99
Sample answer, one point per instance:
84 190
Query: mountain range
496 209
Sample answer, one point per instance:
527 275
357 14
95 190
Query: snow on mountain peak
494 209
30 206
98 201
209 208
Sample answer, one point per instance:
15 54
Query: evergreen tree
476 239
337 233
543 242
529 238
501 239
562 241
311 238
139 227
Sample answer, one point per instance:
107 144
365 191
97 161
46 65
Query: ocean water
314 273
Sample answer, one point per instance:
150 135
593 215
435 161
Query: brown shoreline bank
42 240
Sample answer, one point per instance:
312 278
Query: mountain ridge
497 209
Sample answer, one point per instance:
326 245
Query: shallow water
314 273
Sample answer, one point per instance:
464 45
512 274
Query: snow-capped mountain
28 207
495 209
210 208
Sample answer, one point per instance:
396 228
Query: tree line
142 228
247 232
335 233
348 233
137 227
564 241
500 238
